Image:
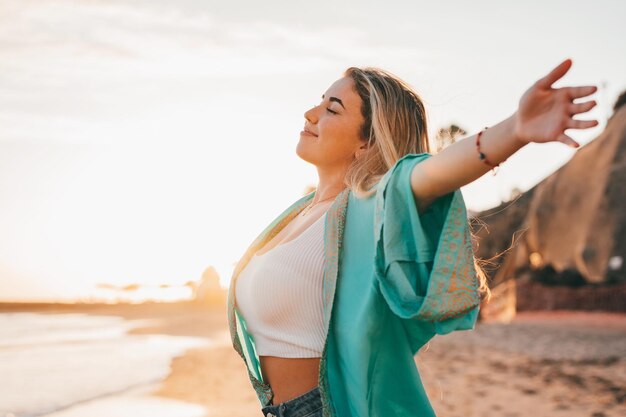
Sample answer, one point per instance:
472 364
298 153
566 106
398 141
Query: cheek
337 137
336 148
336 130
348 133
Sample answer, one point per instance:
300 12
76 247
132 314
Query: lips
310 132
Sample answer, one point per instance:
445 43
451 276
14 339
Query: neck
330 183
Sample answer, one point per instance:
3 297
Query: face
335 126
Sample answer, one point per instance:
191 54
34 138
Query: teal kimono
393 279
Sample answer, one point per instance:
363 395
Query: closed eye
330 111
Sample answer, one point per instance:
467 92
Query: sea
71 365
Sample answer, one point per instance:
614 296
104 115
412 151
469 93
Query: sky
143 141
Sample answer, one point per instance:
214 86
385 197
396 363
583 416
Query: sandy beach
560 363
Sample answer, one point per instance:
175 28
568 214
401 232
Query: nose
311 114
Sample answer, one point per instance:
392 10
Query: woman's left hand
545 113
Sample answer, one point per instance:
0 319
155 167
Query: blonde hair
395 125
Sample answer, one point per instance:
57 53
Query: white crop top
279 294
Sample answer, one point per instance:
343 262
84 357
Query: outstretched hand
545 113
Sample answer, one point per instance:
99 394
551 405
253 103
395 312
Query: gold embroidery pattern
334 238
335 222
453 284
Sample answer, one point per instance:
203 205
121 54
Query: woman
330 303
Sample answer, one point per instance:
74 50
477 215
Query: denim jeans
308 404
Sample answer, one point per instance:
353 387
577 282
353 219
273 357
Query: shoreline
191 379
548 363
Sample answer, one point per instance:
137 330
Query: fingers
578 92
568 141
556 73
576 108
580 124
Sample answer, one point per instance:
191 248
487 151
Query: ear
362 149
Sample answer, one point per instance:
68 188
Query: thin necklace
307 208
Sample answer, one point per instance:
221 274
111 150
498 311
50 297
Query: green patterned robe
393 279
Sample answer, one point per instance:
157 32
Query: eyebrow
331 99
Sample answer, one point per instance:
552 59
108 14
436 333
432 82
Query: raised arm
543 115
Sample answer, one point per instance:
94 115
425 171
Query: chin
304 152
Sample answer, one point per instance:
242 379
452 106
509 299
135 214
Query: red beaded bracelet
481 155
